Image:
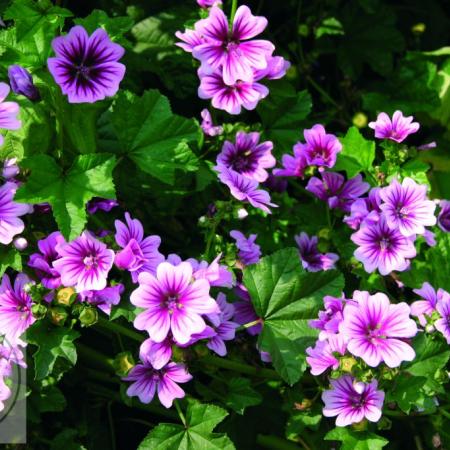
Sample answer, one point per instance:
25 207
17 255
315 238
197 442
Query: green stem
180 412
116 328
322 92
445 413
276 443
239 367
233 11
96 359
418 442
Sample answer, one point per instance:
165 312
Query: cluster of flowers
232 62
363 332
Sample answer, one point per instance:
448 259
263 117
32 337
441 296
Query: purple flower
246 189
231 51
22 82
321 149
293 166
84 263
427 305
158 354
9 355
443 308
208 3
42 262
247 156
230 98
444 216
352 401
329 319
365 210
5 393
190 39
148 380
207 124
375 329
8 112
139 254
10 169
10 213
312 259
15 308
104 299
100 204
275 184
223 329
397 129
249 251
406 207
244 312
383 248
276 68
333 188
216 274
172 302
86 68
322 356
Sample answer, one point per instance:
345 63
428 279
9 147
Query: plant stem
240 367
233 11
97 359
116 328
322 92
251 324
276 443
180 412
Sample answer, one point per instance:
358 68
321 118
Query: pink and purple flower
426 306
84 263
397 129
293 166
352 401
247 156
444 216
443 308
172 302
8 112
249 251
323 355
329 319
376 329
104 299
406 207
207 125
86 68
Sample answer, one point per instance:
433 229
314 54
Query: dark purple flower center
171 302
232 46
402 211
243 161
384 243
90 262
359 401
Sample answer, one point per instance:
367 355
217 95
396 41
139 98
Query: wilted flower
352 401
397 129
249 251
322 356
207 124
312 259
406 207
86 67
231 51
375 329
246 189
172 302
208 3
427 305
100 204
329 319
383 248
10 212
84 263
104 299
22 82
8 112
247 156
42 262
147 381
244 312
15 308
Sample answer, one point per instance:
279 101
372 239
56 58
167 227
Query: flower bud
39 311
359 120
123 363
347 363
58 315
418 28
20 243
360 426
88 316
22 83
65 296
429 328
10 168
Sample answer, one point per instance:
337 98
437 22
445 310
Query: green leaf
329 26
116 27
287 297
152 136
241 395
90 176
32 16
35 135
201 419
356 440
407 391
52 342
357 153
9 257
283 112
364 31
